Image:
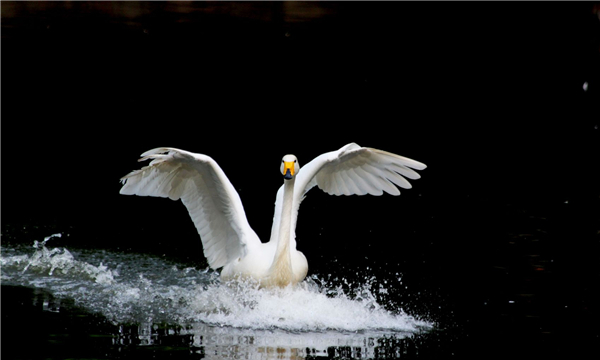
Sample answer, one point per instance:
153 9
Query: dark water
129 304
527 297
493 253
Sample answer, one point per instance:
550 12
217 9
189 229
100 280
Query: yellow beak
288 166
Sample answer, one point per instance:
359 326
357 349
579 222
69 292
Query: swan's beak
288 170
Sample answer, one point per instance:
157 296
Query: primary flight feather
217 212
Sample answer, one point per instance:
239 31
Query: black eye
294 161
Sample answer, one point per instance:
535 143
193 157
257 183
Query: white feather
355 170
211 200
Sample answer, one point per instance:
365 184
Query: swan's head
289 167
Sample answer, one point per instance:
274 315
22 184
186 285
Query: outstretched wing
211 200
356 170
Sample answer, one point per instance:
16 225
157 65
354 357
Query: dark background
501 232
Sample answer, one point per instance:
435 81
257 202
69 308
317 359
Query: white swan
217 211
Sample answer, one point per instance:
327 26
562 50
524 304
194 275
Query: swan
216 208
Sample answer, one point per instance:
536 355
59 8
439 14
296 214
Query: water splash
308 307
57 262
135 288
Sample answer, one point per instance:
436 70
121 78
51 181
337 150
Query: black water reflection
62 330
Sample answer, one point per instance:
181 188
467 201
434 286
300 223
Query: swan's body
216 209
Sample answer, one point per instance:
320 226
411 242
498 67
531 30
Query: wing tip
417 165
421 166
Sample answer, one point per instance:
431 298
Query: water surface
131 303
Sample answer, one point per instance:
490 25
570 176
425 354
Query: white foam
143 289
301 308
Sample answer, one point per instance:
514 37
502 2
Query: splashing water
134 288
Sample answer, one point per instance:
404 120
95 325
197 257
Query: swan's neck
281 269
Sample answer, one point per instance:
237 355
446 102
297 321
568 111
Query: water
137 302
526 292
